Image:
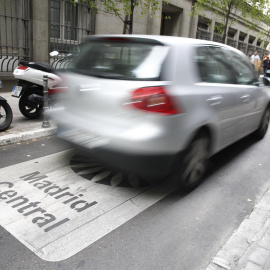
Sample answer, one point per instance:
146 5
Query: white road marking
56 213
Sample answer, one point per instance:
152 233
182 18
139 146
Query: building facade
31 29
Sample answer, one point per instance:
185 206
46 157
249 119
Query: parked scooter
6 114
30 87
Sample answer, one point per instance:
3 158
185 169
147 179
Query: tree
124 9
230 11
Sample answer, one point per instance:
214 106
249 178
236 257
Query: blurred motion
158 106
6 114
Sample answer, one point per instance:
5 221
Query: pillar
40 30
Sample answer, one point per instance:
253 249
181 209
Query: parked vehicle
158 106
30 87
6 114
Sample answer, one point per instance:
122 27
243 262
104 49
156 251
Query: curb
245 249
26 135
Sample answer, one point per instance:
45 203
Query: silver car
157 105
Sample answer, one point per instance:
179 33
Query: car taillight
22 67
57 90
153 99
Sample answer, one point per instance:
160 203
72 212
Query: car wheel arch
209 130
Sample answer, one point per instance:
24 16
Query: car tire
262 129
194 162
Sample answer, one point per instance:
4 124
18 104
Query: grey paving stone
234 248
221 263
260 217
265 241
259 256
213 266
267 265
251 226
252 266
249 247
263 203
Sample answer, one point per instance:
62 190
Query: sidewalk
247 249
21 128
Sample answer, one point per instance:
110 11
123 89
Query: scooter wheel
6 115
29 108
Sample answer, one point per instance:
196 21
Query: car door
220 92
249 92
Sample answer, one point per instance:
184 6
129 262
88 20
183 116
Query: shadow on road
230 153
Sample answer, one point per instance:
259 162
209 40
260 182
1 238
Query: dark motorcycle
6 114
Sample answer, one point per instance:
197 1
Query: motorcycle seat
39 66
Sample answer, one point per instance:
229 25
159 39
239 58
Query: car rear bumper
151 167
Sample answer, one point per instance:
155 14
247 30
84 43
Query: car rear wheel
194 161
262 129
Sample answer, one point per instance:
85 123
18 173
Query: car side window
213 65
245 74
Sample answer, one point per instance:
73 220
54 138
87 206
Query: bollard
45 123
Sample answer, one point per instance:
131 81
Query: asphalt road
179 232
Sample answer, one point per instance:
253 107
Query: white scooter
30 86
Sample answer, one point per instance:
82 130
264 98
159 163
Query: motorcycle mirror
54 53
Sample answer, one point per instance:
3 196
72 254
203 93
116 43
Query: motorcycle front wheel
6 115
29 108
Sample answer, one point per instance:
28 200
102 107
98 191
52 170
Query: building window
69 25
55 19
71 21
64 20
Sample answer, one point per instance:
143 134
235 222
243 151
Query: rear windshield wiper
108 75
98 73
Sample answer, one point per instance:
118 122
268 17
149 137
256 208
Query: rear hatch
106 76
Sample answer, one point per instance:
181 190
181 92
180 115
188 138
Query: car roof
170 40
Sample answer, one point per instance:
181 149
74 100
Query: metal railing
14 33
59 63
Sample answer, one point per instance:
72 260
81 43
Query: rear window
118 59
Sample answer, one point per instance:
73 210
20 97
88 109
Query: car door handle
245 98
215 100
